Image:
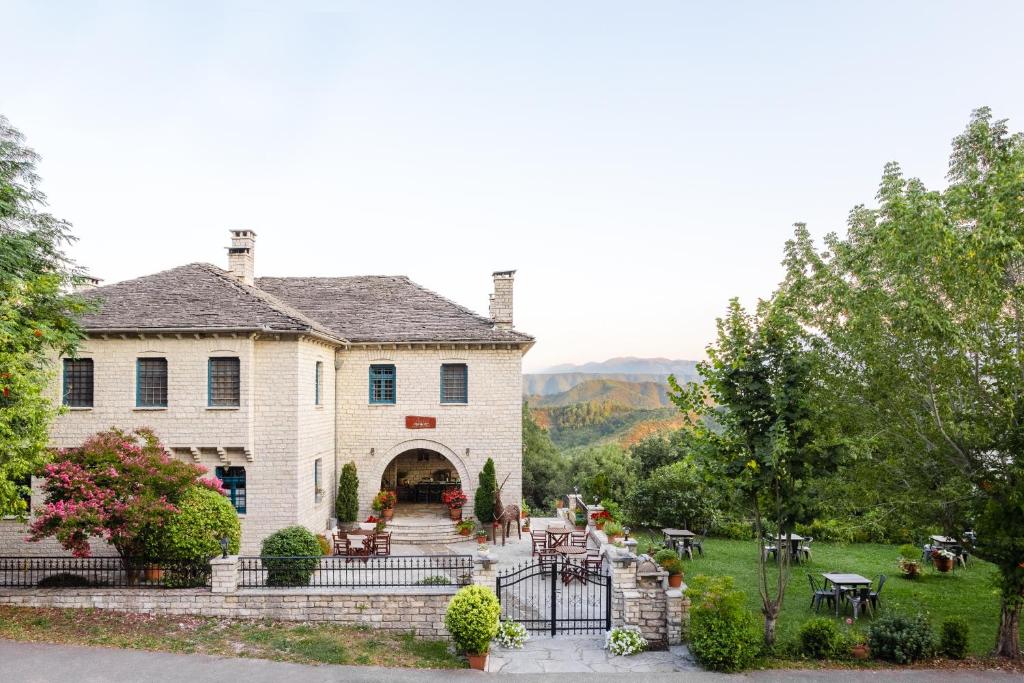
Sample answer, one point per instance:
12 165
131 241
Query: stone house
274 383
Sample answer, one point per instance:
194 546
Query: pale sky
638 163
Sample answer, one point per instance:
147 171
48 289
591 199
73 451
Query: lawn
282 641
968 593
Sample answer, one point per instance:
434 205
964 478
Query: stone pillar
485 571
224 577
620 565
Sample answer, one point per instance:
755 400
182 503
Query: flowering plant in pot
908 561
526 525
384 503
472 621
601 517
481 534
943 559
613 530
465 527
454 499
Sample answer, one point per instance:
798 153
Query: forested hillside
645 395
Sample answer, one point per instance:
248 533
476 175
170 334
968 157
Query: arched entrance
420 476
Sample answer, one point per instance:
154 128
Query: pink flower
849 621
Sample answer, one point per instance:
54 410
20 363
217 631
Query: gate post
554 596
485 572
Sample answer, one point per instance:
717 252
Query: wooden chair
539 539
360 549
341 543
382 543
593 560
579 539
547 556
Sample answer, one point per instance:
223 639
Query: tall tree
762 386
37 318
920 312
346 506
544 476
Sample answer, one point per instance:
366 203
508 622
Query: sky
638 163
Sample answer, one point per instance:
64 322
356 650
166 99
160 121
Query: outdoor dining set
362 543
836 589
684 542
561 541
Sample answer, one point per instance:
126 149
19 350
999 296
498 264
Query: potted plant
943 560
601 517
559 503
465 527
472 621
908 561
670 562
524 509
581 519
613 530
454 499
384 503
526 525
481 535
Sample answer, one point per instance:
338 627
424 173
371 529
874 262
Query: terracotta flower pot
154 573
387 513
599 525
478 662
464 532
455 514
675 580
559 503
943 564
481 538
860 651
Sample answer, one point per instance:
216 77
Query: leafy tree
122 487
919 310
601 472
774 440
544 467
675 495
487 488
346 507
37 318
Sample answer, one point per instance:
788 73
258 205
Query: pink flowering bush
117 486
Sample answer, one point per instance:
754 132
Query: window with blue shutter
382 384
319 382
233 481
454 383
151 383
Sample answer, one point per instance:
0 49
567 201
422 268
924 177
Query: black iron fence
349 572
560 596
100 572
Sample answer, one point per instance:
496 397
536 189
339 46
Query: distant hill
596 422
648 395
632 365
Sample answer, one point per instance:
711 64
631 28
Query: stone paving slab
584 654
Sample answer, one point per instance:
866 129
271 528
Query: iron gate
556 597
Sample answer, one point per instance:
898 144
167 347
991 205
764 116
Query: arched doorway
419 476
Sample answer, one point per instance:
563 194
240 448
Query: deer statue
504 516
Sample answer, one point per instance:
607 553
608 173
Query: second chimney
501 300
241 255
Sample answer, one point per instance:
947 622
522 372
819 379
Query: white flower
625 640
512 634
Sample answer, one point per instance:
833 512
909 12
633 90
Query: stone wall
645 601
406 609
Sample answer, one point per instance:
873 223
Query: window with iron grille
224 386
319 382
233 481
151 382
454 383
78 382
318 475
382 384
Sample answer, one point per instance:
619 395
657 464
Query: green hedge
297 543
204 517
724 635
900 639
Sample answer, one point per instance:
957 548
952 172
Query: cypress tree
346 507
483 502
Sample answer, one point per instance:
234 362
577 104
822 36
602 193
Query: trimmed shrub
664 555
325 545
193 535
346 506
301 547
472 619
900 639
724 635
483 501
953 637
820 638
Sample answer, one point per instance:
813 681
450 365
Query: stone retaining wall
405 609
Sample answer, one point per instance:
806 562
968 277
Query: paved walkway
583 654
39 663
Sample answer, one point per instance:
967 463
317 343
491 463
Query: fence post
224 574
485 570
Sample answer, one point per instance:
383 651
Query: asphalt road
44 663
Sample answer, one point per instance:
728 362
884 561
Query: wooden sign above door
419 422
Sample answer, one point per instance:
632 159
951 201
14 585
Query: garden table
573 571
943 540
558 535
365 549
794 545
674 536
844 582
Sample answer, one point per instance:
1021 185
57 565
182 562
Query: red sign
416 422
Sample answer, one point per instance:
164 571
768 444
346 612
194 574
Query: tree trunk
771 616
1008 638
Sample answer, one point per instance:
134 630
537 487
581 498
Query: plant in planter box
472 621
346 507
909 562
613 530
601 517
670 562
465 527
384 503
454 499
526 524
379 523
481 534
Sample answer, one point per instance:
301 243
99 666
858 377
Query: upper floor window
319 382
454 383
382 384
78 382
224 387
233 481
151 382
318 479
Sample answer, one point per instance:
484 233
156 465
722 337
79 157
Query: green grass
969 593
284 641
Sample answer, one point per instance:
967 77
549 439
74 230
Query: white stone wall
489 425
316 427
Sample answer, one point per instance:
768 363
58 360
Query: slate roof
381 308
200 296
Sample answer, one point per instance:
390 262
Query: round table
572 571
558 535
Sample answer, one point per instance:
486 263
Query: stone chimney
84 283
241 255
501 300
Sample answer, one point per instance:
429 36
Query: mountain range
562 378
